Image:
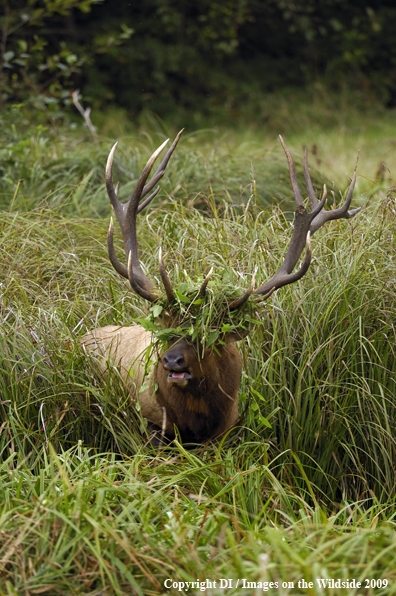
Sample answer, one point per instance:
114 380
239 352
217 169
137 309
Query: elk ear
233 336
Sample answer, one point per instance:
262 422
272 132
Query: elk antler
305 224
126 215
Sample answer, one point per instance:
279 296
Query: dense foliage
304 487
194 56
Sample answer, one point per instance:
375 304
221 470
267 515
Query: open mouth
179 376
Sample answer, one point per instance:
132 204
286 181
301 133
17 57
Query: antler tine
341 212
137 194
292 171
109 182
161 169
202 290
311 193
158 175
165 279
266 296
119 267
352 213
237 303
144 203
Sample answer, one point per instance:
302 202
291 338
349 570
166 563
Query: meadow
304 486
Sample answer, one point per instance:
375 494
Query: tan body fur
202 408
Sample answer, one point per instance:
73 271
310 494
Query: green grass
63 169
304 487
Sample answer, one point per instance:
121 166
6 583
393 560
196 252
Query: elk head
198 390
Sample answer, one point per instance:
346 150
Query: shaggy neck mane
198 411
203 408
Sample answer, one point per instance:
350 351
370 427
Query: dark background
207 56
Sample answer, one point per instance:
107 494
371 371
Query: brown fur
202 407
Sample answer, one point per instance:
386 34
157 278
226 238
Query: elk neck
207 404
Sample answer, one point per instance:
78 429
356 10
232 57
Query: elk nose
173 361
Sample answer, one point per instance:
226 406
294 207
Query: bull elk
196 392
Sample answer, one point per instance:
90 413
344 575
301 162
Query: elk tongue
176 375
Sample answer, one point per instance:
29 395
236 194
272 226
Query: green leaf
8 56
257 394
264 421
212 336
182 298
147 324
23 46
156 310
182 287
165 334
144 387
127 32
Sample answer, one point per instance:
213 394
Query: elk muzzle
175 361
